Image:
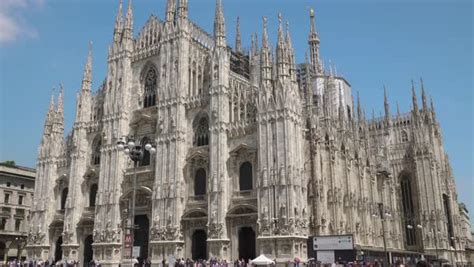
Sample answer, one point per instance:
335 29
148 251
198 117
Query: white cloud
9 29
12 25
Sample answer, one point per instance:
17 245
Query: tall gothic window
201 135
449 221
64 197
245 176
145 161
200 182
150 88
408 210
96 151
92 195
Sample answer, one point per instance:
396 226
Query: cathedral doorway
58 252
141 235
88 250
199 245
246 243
3 249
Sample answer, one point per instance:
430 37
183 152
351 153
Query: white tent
261 260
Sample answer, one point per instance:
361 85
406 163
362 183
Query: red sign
128 241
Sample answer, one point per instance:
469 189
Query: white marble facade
251 149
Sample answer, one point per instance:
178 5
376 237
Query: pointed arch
201 130
64 194
96 146
93 195
408 207
449 219
150 83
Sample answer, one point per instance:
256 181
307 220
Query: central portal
246 243
88 252
58 252
141 236
199 245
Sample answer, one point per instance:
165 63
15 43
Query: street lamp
420 227
383 215
436 242
135 152
21 241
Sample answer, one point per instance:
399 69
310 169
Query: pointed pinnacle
118 18
238 37
385 100
265 33
280 28
51 102
219 25
414 99
288 35
432 106
60 98
423 95
129 16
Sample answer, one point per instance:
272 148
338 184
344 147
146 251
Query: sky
371 42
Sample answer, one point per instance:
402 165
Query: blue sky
44 43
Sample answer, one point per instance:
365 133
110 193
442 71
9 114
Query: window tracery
150 88
96 146
408 210
201 135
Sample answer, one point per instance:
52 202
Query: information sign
334 242
326 256
136 252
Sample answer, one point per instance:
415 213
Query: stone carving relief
215 230
35 238
108 235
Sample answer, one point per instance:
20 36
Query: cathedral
255 154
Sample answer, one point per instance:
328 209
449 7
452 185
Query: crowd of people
40 263
213 262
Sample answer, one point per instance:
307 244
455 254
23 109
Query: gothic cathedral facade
255 154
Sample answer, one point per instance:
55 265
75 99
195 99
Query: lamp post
420 227
21 241
382 214
436 243
135 152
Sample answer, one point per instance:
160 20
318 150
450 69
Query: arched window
96 145
408 210
64 197
201 136
92 195
145 161
349 114
200 182
404 136
245 176
150 88
449 221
